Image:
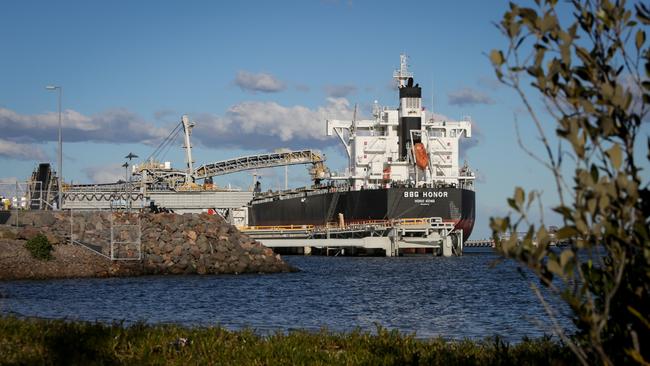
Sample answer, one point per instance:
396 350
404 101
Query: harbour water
460 297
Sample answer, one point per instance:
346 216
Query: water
431 296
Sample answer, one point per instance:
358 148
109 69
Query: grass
52 342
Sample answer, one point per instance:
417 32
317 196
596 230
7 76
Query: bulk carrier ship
402 164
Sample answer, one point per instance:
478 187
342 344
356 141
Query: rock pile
163 243
203 244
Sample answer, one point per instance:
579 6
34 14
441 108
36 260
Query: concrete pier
393 237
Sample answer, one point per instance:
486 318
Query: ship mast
402 74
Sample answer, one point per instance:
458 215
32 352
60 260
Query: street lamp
126 172
60 89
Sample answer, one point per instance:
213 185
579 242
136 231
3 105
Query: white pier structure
393 237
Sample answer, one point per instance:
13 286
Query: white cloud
165 114
110 173
255 125
18 151
117 125
468 96
340 91
260 82
489 82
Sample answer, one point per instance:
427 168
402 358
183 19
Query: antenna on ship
354 119
431 97
402 74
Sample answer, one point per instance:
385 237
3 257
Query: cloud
110 173
261 82
339 91
116 125
165 114
18 151
489 82
254 125
468 96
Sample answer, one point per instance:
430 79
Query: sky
254 76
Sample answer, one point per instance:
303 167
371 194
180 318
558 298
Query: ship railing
353 225
276 228
383 222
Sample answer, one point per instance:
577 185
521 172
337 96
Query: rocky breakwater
203 244
143 243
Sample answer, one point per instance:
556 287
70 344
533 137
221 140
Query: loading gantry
156 175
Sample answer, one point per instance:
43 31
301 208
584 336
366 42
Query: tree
592 79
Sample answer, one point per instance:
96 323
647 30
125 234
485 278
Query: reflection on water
450 297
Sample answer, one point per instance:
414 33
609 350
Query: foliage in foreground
60 342
582 70
39 247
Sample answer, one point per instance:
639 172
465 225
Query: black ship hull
317 208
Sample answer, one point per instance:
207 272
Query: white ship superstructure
403 146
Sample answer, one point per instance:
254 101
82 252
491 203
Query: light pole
126 172
60 89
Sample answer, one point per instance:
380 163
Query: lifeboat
387 173
421 155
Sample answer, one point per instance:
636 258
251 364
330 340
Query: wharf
393 237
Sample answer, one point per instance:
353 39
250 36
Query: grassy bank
59 342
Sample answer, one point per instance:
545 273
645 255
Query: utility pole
60 193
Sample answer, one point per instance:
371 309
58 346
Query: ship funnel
410 116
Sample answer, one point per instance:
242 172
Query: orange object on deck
421 156
387 173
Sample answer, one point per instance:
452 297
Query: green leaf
566 233
531 198
640 39
519 196
614 154
542 238
565 257
563 210
548 22
496 57
554 267
591 205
